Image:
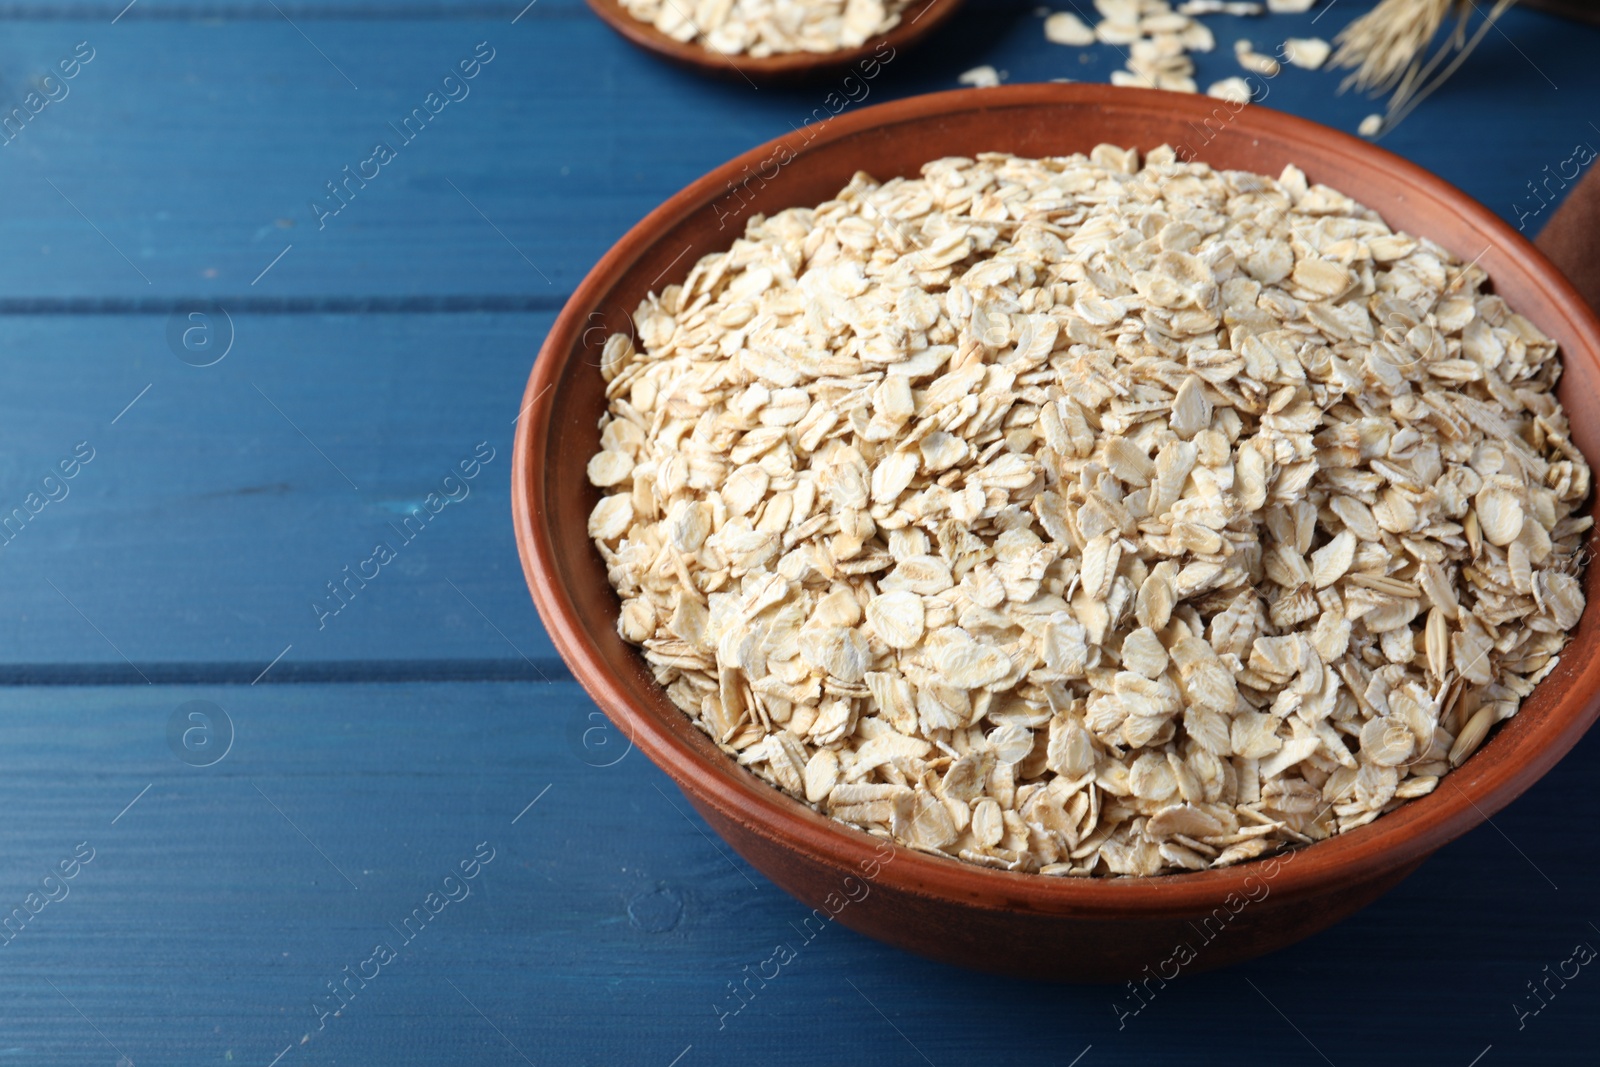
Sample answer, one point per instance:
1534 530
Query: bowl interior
920 18
565 398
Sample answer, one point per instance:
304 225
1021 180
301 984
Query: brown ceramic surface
918 20
1077 929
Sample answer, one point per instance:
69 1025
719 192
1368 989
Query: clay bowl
918 20
1072 929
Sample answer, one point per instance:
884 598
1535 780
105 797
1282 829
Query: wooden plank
220 504
567 137
608 925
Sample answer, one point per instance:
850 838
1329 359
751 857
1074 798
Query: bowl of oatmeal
767 42
1053 545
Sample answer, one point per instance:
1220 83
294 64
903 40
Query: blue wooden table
250 821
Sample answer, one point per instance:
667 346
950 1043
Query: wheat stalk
1386 49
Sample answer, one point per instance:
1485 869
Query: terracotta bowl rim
1465 797
920 19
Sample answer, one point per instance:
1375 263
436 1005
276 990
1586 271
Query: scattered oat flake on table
1091 516
1063 27
1197 37
1307 52
1254 61
1108 31
1370 126
1235 89
1130 80
984 77
1290 7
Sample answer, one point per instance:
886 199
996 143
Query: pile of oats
1086 518
1156 39
770 27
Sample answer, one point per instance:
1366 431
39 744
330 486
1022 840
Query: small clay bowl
918 20
1102 929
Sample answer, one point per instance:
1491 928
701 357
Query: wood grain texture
197 127
206 525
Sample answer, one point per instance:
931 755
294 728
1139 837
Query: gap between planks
310 672
285 305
